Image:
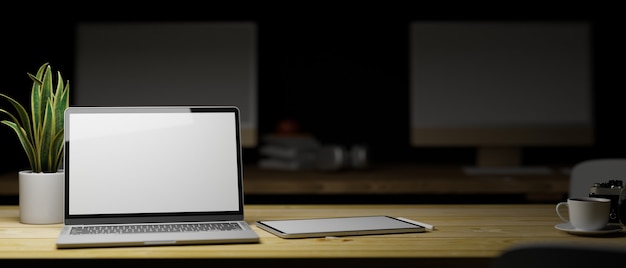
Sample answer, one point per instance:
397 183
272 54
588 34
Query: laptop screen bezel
70 219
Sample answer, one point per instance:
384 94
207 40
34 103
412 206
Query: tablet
338 226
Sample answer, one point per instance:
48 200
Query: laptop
148 176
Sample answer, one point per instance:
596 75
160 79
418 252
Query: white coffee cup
586 213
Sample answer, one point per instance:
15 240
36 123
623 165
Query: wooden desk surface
470 235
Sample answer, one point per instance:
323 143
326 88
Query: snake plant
41 131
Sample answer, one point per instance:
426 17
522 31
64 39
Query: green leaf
61 101
35 109
58 151
21 112
41 134
47 136
28 147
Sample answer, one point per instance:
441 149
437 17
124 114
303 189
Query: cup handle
559 205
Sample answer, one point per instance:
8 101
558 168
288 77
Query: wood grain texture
465 234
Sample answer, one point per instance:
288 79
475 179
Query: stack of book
288 152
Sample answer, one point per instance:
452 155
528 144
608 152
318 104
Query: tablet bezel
338 226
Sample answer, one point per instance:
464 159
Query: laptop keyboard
156 228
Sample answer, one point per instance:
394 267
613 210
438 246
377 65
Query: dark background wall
342 73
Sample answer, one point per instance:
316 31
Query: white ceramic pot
41 197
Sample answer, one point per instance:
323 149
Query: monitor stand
502 161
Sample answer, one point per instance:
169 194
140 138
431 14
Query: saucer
570 229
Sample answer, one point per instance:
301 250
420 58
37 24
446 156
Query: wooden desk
465 235
405 179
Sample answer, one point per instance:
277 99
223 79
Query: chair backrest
586 173
551 255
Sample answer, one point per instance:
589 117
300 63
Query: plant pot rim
29 171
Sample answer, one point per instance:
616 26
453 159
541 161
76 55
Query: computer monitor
136 63
500 86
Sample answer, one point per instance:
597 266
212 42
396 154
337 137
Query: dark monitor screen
500 86
169 63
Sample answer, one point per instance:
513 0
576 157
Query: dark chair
551 255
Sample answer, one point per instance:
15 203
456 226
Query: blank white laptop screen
125 163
